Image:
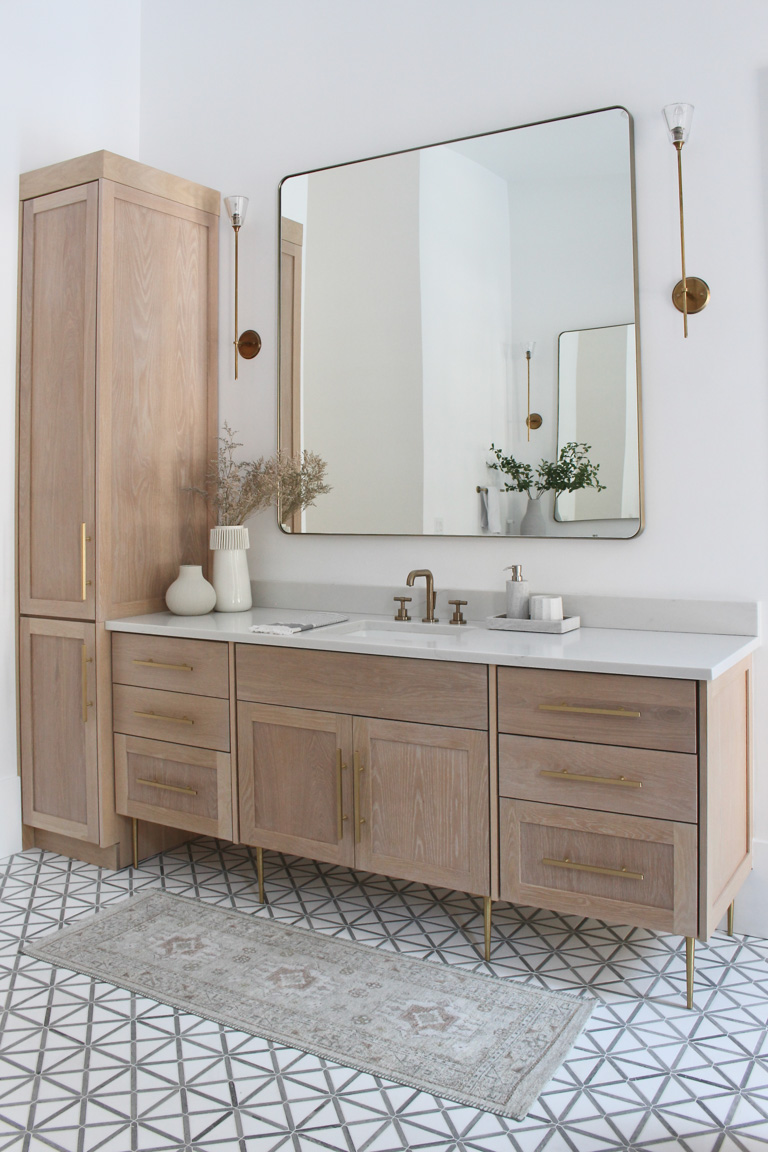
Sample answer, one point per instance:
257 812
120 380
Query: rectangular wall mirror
412 287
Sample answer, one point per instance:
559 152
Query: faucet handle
457 617
402 612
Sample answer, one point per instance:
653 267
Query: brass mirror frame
636 295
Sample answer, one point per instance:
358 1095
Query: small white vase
534 523
231 578
190 594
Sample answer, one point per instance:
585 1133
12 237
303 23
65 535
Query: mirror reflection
439 301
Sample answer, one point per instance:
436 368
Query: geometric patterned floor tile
86 1067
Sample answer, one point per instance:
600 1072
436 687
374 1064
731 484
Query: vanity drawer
175 716
624 868
171 662
631 711
384 687
189 788
637 781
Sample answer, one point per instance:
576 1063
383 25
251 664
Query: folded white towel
280 629
490 512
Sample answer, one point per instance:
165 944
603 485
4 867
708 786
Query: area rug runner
474 1039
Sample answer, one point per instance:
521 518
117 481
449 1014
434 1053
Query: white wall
239 94
69 84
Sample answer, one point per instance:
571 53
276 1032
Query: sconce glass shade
236 206
678 118
529 349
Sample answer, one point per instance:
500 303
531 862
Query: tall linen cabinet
117 420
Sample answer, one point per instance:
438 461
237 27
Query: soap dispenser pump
518 595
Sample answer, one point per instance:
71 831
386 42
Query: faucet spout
430 617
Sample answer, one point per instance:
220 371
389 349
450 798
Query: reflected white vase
190 594
231 578
534 522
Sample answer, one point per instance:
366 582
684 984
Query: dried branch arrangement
238 489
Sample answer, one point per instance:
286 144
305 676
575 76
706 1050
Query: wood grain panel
637 781
726 801
110 166
58 742
178 717
57 404
172 663
155 331
204 805
662 852
424 801
289 781
391 687
667 708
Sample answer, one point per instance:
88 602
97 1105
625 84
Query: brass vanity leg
689 946
260 872
730 917
135 837
487 927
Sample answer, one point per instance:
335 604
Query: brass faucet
430 617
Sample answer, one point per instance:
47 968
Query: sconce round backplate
534 421
698 294
249 344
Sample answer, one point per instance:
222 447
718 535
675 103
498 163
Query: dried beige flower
238 489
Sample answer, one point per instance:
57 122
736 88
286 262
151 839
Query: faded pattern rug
477 1040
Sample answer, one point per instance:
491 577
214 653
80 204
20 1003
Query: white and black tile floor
85 1066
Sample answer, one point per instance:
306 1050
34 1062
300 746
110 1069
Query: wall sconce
690 294
249 344
532 420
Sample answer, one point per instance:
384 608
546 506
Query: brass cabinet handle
171 667
340 817
167 787
359 820
83 567
625 712
564 774
160 716
566 863
86 660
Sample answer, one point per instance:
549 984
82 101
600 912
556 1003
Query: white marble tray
553 627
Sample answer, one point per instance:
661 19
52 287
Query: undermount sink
405 632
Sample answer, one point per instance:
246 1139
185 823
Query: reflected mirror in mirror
412 286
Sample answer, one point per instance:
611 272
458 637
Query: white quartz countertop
678 655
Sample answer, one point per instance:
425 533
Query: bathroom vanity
605 773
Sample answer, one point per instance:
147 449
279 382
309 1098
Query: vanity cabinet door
295 781
57 686
57 404
422 803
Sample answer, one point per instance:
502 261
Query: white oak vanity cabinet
117 416
626 798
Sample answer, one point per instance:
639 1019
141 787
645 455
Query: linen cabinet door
57 404
295 781
60 789
422 803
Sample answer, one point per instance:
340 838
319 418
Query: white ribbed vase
231 578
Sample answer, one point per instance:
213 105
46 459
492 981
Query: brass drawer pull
566 863
167 787
159 716
170 667
84 539
340 817
590 711
359 820
566 775
86 660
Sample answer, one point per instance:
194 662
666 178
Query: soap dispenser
518 595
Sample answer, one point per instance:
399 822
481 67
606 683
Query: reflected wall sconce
249 344
532 420
690 294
